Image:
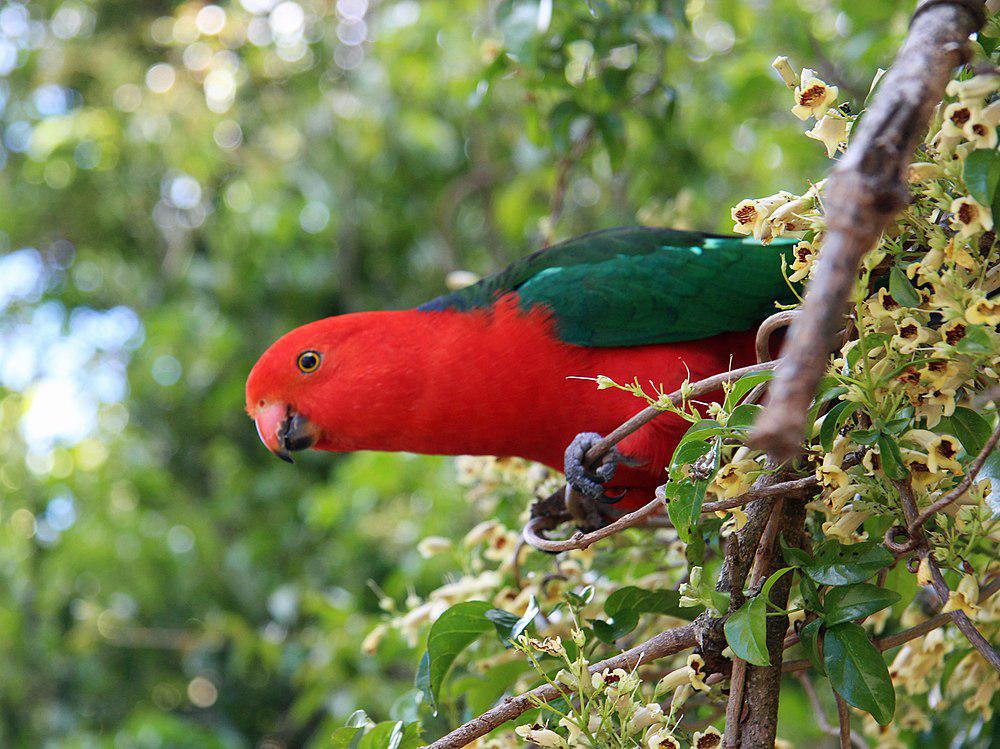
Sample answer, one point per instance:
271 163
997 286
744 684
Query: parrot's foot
586 480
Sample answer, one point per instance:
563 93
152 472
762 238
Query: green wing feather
637 286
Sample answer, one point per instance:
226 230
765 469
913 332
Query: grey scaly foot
590 481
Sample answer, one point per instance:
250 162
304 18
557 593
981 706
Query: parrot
506 366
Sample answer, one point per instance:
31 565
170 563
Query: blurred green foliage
181 183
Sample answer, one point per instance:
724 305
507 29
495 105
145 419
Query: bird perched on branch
500 367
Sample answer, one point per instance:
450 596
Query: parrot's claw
590 481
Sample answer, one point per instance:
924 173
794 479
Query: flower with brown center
813 97
968 217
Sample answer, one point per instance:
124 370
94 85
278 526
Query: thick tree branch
671 642
865 191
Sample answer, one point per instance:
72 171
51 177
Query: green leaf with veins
857 671
844 604
743 386
746 632
809 635
454 630
835 563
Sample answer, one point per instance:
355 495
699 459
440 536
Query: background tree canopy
182 183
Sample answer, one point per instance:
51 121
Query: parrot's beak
283 431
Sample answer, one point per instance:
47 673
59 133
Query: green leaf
688 452
969 427
743 386
793 554
865 436
612 130
892 459
684 507
455 630
510 626
625 605
858 672
976 341
746 632
765 589
856 601
901 289
810 594
809 635
743 416
980 174
343 737
387 735
560 119
832 421
835 563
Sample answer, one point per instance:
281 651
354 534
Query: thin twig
666 643
867 188
646 415
767 328
844 719
963 486
962 621
820 713
532 536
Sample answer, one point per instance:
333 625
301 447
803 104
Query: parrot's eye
308 361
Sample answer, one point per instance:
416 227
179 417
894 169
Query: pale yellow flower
955 116
954 331
645 716
844 529
917 464
922 171
813 96
550 645
934 405
968 217
832 132
804 255
910 334
662 739
976 87
941 450
371 642
784 69
980 133
733 479
710 738
964 598
983 311
538 734
433 545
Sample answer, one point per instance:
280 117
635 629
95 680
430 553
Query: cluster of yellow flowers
612 702
922 341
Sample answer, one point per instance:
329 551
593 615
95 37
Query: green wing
636 286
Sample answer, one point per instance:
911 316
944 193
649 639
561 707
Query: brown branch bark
867 188
758 724
671 642
844 719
